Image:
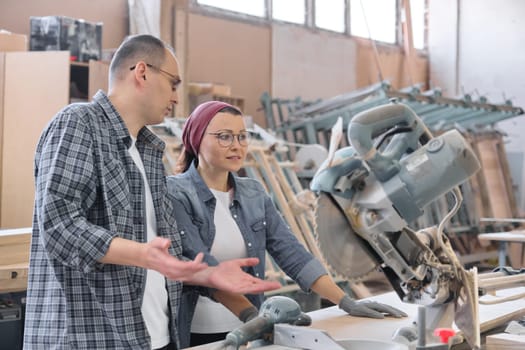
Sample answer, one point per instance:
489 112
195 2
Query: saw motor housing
382 183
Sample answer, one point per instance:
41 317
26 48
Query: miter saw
371 191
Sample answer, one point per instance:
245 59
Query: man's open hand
229 276
159 259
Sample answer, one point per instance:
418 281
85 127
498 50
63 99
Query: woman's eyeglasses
226 139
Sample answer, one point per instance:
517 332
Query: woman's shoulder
249 185
179 182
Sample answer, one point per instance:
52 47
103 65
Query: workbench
341 326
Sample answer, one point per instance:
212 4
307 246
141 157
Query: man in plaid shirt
106 267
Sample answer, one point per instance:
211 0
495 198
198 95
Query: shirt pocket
116 185
258 228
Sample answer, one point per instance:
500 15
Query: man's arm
154 255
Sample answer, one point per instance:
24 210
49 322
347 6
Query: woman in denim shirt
226 216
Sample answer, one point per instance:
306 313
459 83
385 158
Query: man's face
164 83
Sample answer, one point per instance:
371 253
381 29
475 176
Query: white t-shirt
155 303
212 317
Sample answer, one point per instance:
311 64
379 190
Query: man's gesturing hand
158 258
229 276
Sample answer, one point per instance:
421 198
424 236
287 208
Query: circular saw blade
345 251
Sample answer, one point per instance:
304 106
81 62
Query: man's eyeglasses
226 138
174 80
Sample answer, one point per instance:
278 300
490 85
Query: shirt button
249 244
257 274
181 232
235 216
264 223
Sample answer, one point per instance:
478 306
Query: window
330 14
289 11
371 19
249 7
374 19
417 13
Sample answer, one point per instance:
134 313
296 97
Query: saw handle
369 124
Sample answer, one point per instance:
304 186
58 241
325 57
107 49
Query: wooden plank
14 259
495 188
2 117
478 184
408 42
511 236
514 250
15 246
505 341
491 167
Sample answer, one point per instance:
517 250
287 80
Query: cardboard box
83 39
12 42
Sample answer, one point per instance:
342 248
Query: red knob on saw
444 334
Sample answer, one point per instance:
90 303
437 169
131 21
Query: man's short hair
136 48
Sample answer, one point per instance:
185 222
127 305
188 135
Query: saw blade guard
414 168
396 120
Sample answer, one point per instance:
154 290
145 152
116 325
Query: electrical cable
374 46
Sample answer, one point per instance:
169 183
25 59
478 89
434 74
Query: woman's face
224 144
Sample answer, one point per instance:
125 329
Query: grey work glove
368 308
248 314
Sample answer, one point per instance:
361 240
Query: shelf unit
87 78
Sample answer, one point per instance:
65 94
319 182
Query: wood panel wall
35 87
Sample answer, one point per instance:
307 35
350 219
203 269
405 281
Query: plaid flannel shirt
88 191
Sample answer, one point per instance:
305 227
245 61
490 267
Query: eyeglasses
174 80
226 138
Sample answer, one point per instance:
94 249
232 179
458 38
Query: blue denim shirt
260 223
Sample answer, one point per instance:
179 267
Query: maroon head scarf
197 123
